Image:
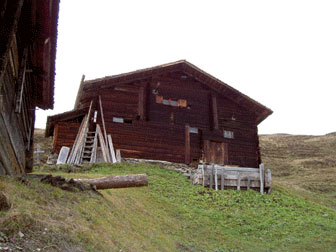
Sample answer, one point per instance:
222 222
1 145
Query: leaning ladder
88 147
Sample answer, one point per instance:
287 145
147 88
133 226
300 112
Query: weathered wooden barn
28 32
174 112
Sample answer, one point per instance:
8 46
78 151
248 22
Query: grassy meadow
170 214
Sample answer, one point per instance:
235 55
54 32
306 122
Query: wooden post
261 176
222 180
238 181
118 156
203 174
214 112
268 180
187 145
216 179
211 176
142 102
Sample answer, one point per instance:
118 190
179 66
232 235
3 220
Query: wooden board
111 148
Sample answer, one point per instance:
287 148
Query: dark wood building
28 32
174 112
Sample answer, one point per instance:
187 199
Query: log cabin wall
161 133
172 115
176 87
243 147
17 111
64 134
16 125
23 81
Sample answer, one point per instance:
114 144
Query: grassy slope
306 164
168 215
172 215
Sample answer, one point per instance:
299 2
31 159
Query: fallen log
133 180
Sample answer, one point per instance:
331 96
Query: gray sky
280 53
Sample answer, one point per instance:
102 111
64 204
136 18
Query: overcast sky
280 53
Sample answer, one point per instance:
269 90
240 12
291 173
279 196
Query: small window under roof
118 119
193 130
228 134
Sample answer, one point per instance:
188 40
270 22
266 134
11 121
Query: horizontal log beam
133 180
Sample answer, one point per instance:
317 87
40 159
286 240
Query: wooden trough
224 177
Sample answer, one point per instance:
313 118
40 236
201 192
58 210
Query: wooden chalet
28 32
174 112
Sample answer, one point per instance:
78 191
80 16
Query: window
182 103
193 130
174 103
128 121
158 99
118 120
228 134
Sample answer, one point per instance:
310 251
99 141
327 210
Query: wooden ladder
89 145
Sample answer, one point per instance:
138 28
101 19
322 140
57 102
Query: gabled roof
213 83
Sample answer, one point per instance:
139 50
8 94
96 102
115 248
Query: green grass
168 215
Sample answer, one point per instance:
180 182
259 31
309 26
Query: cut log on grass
133 180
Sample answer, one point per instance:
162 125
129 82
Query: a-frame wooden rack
85 147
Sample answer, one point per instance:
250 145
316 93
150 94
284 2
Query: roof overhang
44 50
63 117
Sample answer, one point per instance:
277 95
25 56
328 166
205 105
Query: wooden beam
80 138
142 102
214 110
103 145
102 117
110 144
80 90
55 137
21 81
132 180
187 144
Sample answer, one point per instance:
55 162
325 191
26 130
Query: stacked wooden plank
77 148
85 147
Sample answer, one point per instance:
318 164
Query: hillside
173 215
304 163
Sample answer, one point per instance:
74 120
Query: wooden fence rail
223 177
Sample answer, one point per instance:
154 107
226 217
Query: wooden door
215 152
